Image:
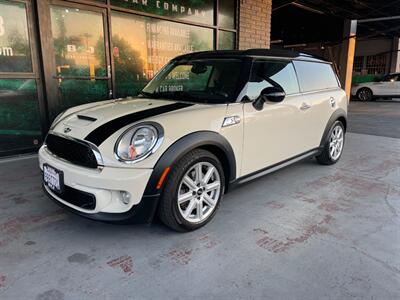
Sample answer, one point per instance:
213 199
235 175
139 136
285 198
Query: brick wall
254 23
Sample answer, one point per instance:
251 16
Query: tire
335 139
185 216
365 94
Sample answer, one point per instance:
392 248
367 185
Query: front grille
72 151
78 198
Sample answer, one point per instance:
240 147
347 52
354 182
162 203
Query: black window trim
279 59
318 90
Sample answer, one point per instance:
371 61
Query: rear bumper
106 185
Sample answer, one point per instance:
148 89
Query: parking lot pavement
381 117
305 232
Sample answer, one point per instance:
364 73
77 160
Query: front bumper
106 185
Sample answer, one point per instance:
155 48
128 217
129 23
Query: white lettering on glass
6 51
71 48
2 26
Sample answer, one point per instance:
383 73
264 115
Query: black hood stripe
100 134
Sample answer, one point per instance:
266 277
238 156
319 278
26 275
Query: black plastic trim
259 173
183 146
180 148
140 213
87 118
339 113
101 133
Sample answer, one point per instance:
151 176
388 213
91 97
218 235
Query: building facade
376 57
57 54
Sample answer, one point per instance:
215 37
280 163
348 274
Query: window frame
35 74
277 59
215 26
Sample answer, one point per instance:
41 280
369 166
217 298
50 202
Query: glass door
20 84
77 67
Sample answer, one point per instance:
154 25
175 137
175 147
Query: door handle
305 106
332 101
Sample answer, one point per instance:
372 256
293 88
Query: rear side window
315 76
264 73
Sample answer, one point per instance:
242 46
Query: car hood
102 123
82 121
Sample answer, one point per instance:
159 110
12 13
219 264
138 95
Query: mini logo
67 129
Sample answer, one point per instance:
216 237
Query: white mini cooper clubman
207 122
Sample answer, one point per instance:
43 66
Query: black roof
250 52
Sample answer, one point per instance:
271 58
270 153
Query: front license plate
53 178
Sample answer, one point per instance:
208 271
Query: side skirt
275 167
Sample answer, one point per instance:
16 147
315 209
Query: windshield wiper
145 94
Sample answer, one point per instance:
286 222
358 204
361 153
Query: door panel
322 105
383 88
274 134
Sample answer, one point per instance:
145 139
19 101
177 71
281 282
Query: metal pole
379 19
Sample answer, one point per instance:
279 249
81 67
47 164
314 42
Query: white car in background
387 87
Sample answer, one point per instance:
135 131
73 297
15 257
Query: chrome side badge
229 121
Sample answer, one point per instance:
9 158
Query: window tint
391 78
263 72
315 76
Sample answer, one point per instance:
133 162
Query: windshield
197 80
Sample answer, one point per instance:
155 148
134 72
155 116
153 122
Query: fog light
125 198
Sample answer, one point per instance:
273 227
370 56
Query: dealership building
57 54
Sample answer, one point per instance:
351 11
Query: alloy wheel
336 142
364 95
199 192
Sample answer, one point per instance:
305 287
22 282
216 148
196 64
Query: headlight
138 142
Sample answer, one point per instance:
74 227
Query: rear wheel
365 94
193 191
333 147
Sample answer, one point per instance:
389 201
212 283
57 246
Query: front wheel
365 94
333 147
192 192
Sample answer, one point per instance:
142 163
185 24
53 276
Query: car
206 123
387 86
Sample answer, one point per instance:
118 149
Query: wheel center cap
200 191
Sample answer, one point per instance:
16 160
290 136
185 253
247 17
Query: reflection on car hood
90 121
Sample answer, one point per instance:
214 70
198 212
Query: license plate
53 178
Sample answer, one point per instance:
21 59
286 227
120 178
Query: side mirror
271 94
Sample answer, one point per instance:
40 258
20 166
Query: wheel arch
365 88
207 140
338 115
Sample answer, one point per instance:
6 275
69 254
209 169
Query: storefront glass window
226 13
139 54
200 11
19 115
76 92
226 40
78 40
15 52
